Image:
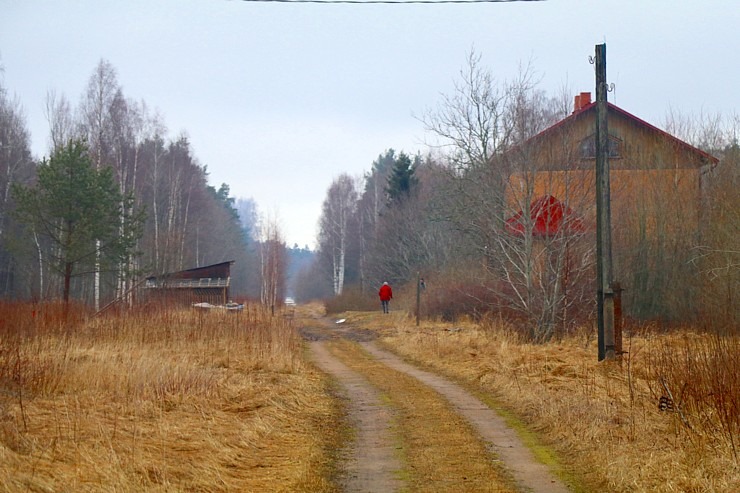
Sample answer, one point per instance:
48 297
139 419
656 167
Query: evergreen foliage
380 169
81 212
401 180
222 195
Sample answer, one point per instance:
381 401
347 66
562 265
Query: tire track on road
371 463
361 378
442 452
529 474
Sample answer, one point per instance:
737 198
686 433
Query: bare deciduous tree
480 120
96 126
337 220
471 122
409 237
16 166
370 204
61 122
273 263
714 255
486 126
186 226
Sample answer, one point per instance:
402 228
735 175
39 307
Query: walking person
386 294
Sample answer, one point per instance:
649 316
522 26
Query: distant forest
184 221
119 199
499 220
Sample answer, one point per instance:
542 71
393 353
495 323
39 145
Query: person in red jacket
385 293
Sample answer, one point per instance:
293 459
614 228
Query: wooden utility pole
604 275
419 282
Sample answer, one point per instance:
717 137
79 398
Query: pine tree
81 212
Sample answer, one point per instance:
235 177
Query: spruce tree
401 180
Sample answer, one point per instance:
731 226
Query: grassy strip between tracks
441 451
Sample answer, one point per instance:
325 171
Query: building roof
588 108
221 270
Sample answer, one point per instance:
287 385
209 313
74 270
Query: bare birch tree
128 127
15 156
96 126
60 119
337 218
273 264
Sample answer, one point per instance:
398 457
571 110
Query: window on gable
588 147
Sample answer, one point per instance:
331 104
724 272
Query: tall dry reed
161 399
697 378
602 418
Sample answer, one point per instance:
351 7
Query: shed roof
220 270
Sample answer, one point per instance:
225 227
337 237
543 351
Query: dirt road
414 430
370 465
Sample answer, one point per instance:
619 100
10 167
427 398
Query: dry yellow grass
174 400
602 418
193 401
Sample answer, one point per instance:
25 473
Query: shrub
697 374
457 300
352 299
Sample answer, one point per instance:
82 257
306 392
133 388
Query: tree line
446 214
116 200
452 216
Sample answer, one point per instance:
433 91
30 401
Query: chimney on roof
582 100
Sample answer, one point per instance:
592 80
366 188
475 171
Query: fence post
418 297
617 288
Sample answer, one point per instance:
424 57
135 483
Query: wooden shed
207 284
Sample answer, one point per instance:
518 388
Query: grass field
163 400
185 400
602 419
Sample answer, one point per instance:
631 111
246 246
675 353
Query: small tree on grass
80 212
273 258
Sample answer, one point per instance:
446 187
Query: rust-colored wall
653 173
656 201
673 193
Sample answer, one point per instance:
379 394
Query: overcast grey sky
278 99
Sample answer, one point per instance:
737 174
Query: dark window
588 147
